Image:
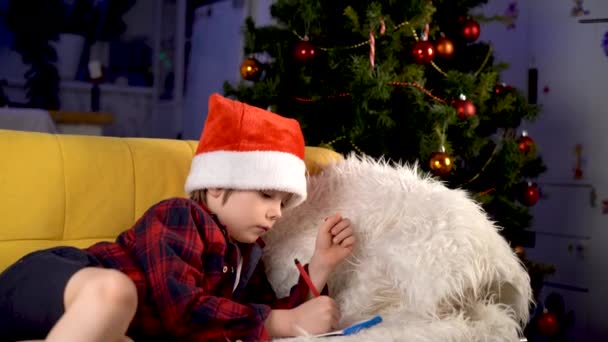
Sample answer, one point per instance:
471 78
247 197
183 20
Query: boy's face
247 214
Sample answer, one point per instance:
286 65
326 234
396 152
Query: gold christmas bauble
251 69
444 48
440 163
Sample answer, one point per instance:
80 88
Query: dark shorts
31 291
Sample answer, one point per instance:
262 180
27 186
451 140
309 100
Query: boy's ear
215 192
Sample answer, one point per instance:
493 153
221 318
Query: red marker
304 275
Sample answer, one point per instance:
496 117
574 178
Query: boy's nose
274 212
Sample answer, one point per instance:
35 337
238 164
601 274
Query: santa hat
247 148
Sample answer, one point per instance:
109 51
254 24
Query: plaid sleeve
260 291
169 249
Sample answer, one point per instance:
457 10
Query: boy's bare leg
99 306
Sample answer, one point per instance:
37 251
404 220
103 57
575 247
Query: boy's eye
266 194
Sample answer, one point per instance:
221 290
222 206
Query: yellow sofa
77 190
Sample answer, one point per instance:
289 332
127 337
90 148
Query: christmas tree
407 81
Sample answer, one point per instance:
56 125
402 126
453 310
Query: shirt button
225 269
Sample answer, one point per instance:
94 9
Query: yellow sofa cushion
77 190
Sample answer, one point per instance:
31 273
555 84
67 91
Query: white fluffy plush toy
428 259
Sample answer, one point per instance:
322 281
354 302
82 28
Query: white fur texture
428 259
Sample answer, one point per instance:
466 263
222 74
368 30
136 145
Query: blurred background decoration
55 37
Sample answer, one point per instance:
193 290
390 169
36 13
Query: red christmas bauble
304 51
547 323
525 144
502 88
530 194
465 108
470 30
444 48
423 52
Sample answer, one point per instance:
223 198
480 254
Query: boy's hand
316 316
335 241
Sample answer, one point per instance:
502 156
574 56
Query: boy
189 270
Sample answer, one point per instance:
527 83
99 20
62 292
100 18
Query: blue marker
354 328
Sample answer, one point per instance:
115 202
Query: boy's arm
259 290
169 250
281 320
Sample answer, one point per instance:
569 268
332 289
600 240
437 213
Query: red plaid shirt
184 267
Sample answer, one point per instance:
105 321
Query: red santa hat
247 148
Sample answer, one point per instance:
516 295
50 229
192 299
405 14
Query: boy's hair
201 195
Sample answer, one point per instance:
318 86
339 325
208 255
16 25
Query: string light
350 47
342 137
309 99
483 168
358 45
371 43
394 83
489 191
302 99
419 86
485 61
